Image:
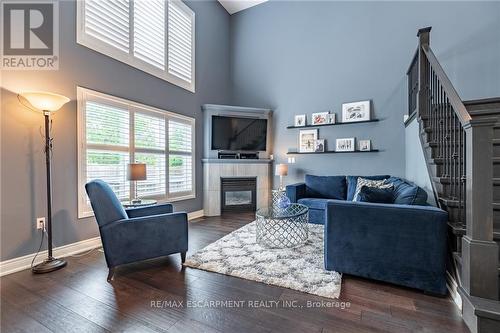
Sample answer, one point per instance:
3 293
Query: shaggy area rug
300 268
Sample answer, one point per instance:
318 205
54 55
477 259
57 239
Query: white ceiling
233 6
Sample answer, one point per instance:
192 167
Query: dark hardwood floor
78 299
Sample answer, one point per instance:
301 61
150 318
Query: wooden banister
453 98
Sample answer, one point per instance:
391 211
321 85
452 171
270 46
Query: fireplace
238 194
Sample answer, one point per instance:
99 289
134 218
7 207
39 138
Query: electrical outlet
40 223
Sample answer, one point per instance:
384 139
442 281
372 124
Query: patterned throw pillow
369 183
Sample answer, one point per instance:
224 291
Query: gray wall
22 158
416 168
301 57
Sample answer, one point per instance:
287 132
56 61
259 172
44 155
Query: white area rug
300 268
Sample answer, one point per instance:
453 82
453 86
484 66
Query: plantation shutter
107 145
108 21
180 41
149 32
150 149
180 157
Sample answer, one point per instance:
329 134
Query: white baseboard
18 264
196 214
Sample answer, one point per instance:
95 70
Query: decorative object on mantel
319 146
46 103
345 144
307 138
300 120
320 118
365 145
301 268
356 111
281 170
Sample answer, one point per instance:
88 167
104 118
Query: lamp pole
51 263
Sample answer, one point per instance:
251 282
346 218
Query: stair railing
462 165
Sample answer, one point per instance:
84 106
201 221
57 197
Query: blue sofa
135 234
403 242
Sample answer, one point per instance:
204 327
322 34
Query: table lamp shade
45 101
281 170
136 171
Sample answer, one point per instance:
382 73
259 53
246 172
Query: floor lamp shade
47 102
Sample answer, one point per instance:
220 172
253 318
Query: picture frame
319 146
307 139
331 118
320 118
300 120
365 145
356 111
345 144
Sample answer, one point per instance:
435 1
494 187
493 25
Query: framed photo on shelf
356 111
346 144
319 146
307 140
331 118
300 120
320 118
365 145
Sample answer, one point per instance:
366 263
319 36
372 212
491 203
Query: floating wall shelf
335 152
336 124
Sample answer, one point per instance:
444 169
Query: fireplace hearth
238 194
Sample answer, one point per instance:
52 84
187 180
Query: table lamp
47 103
281 170
135 172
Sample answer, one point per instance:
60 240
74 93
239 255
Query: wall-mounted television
238 133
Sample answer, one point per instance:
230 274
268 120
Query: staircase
461 144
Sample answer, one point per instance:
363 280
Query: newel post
423 71
479 250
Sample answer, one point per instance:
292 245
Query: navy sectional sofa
403 242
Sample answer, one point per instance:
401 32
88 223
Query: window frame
84 95
97 45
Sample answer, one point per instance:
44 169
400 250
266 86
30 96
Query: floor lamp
47 103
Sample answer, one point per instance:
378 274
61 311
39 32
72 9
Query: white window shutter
149 31
180 143
181 42
108 21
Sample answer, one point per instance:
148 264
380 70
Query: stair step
496 181
496 142
496 160
452 203
496 206
459 230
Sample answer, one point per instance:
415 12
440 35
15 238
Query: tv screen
233 133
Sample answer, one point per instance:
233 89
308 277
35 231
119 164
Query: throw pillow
352 181
376 195
369 183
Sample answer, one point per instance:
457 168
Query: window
113 131
155 36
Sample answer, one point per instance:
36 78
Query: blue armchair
130 235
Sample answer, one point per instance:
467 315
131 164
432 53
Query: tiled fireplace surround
214 170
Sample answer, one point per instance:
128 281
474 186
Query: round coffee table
282 227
